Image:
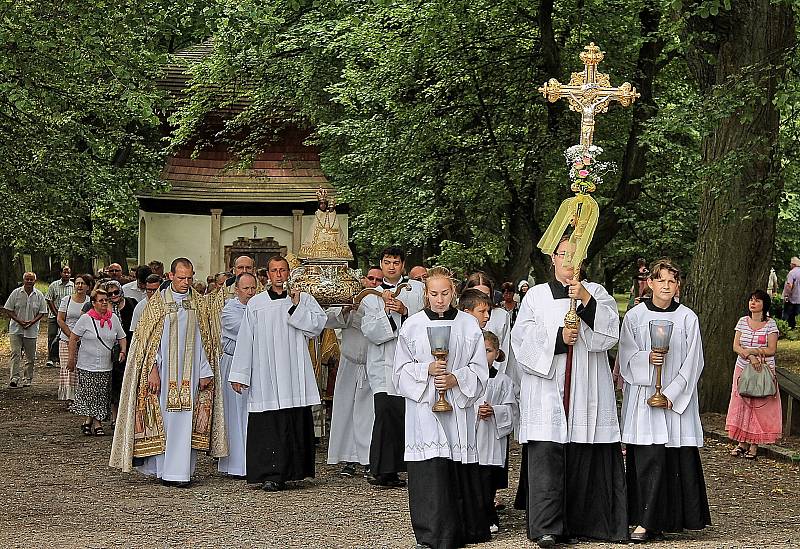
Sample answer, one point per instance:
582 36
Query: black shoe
272 486
175 483
546 541
349 470
387 481
13 384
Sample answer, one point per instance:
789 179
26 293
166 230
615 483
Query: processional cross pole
589 93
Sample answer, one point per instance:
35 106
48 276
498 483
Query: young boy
477 304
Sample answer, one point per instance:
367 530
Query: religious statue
326 240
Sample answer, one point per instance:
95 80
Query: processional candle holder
660 334
439 338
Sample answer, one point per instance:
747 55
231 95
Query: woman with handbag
69 311
754 412
90 344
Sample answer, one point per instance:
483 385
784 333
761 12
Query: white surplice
492 433
381 332
499 324
178 461
235 404
683 364
272 356
353 405
593 410
430 434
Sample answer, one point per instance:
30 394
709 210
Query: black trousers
666 488
387 447
447 503
576 490
280 445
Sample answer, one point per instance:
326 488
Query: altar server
666 487
576 481
444 486
496 411
383 317
235 463
272 360
353 407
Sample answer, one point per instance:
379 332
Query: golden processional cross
589 93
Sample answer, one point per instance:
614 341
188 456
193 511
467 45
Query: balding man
242 264
25 307
418 273
115 271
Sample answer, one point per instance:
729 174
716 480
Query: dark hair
471 298
393 251
275 258
507 287
155 264
373 267
87 279
153 278
494 340
762 296
180 261
479 278
142 272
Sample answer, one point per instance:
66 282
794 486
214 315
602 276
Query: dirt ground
57 491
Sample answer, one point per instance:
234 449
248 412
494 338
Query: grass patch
788 355
622 302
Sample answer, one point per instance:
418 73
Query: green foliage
78 117
783 327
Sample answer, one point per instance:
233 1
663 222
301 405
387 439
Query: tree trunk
736 229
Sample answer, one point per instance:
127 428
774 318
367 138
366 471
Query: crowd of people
225 369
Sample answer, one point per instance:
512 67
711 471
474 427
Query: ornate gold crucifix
589 92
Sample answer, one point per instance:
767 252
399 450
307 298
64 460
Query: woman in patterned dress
754 421
69 311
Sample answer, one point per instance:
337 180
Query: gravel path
57 491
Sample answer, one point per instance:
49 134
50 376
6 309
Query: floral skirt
93 395
753 420
67 381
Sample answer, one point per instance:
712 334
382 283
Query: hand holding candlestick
439 338
660 334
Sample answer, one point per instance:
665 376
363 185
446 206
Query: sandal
748 455
86 429
738 452
99 432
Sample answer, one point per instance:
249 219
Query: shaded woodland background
430 127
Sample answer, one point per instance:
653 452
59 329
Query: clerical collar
177 294
655 308
386 285
492 371
274 295
449 314
558 290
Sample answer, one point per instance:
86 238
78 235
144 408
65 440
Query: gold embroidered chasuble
139 429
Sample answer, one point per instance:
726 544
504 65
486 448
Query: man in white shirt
25 307
136 289
57 290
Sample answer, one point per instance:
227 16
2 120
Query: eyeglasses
375 278
101 301
560 254
114 292
150 290
114 270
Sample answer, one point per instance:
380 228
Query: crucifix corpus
589 93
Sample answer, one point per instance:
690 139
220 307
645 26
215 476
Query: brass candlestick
439 338
660 334
441 405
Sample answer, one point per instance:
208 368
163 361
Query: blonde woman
446 498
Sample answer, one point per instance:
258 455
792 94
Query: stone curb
772 451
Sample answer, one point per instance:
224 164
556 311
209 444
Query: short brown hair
471 298
492 338
96 292
664 263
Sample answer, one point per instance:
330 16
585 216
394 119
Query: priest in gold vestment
171 404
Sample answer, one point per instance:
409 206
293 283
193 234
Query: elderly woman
69 311
754 421
97 331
